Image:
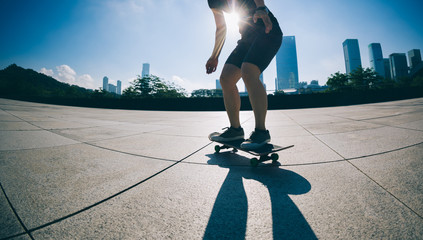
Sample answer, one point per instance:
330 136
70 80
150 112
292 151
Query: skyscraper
398 63
351 55
218 86
145 69
119 87
262 81
376 59
112 88
286 64
414 58
105 84
387 68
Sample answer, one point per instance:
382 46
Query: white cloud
48 72
66 74
86 80
178 80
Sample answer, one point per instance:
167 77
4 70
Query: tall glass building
119 87
376 59
399 67
145 69
218 86
351 55
414 58
287 64
112 88
387 68
105 84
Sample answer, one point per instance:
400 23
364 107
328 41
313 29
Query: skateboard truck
253 161
217 148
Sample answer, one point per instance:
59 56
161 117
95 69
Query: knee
246 77
250 73
227 81
230 76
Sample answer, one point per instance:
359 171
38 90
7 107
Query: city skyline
108 87
286 64
79 42
394 67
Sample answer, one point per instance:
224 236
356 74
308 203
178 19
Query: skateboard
266 152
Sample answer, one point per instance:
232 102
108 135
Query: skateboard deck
266 152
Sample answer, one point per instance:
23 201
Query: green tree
417 81
362 78
153 87
337 81
279 93
201 93
207 93
101 93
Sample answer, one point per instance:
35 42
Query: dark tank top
243 7
245 10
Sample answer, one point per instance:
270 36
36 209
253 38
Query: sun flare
232 20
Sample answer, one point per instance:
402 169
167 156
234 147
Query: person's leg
256 92
228 80
260 53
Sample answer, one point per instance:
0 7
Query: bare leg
256 92
228 79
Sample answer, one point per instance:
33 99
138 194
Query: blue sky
81 41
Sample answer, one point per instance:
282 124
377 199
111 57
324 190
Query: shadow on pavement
228 219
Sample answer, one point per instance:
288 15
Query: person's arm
219 40
263 14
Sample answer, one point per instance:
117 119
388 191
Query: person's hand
211 65
266 19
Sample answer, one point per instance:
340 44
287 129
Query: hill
17 81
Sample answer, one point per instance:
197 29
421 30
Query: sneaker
231 134
257 139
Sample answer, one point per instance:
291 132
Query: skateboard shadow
228 219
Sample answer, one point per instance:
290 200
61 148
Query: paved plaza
355 172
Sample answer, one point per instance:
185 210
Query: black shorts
256 46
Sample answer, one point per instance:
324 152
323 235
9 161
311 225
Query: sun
232 20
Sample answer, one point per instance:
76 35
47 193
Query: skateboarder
260 40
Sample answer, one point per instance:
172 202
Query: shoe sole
219 139
252 146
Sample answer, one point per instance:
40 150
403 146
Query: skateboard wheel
254 162
217 149
274 157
